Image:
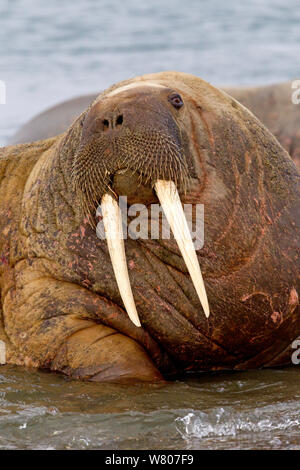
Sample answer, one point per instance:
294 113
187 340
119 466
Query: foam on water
227 422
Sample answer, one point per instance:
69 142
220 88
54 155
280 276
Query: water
244 410
51 51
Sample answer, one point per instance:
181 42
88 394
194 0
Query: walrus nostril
119 120
113 124
105 124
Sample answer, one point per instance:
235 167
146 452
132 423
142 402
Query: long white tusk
170 201
112 221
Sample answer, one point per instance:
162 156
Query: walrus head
133 131
173 138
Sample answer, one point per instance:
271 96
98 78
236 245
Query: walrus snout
129 140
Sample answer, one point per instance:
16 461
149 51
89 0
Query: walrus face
132 138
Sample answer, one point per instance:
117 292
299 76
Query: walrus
124 309
271 104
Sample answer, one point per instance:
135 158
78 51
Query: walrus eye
176 100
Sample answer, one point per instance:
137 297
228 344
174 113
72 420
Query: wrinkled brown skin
61 308
271 104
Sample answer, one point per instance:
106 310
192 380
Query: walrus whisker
170 201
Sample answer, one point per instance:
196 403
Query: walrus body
271 104
61 308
